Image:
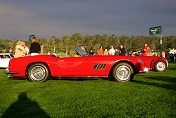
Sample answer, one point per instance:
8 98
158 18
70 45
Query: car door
71 66
98 65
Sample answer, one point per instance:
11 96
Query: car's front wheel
160 66
38 72
123 72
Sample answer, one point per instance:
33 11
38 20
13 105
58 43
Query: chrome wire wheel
38 72
161 66
123 73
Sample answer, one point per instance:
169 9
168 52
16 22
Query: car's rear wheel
38 72
123 72
160 66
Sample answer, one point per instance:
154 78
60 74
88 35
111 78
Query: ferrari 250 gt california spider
121 68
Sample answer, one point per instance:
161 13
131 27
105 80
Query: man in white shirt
112 51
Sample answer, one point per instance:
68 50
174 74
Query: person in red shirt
146 50
100 51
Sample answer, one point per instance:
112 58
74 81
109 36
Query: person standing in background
19 50
122 50
10 50
35 47
26 48
117 52
100 51
82 47
112 51
163 54
146 50
106 52
91 52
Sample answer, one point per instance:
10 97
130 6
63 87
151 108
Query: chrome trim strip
8 72
81 76
61 60
141 62
142 72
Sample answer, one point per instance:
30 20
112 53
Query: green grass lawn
148 95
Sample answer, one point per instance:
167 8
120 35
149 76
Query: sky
46 18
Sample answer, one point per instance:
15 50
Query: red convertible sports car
120 68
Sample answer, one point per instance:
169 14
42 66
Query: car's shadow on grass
63 78
24 108
162 78
77 78
172 68
17 78
158 83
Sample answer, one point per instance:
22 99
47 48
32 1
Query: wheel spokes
161 66
123 72
38 73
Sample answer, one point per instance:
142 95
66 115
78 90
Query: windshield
81 52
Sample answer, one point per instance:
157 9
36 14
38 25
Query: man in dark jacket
122 50
35 47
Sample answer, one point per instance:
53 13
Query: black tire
123 72
160 66
38 72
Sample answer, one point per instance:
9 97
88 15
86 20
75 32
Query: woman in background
20 50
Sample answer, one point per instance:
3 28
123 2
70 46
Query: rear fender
26 71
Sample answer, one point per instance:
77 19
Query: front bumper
146 70
8 72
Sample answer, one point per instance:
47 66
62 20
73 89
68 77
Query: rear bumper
8 72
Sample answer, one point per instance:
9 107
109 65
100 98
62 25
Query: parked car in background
5 59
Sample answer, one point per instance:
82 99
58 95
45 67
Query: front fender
156 59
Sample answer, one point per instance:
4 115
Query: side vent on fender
99 66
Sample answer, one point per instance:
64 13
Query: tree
52 43
43 42
77 39
66 42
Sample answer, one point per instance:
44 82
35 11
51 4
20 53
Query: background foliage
67 43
